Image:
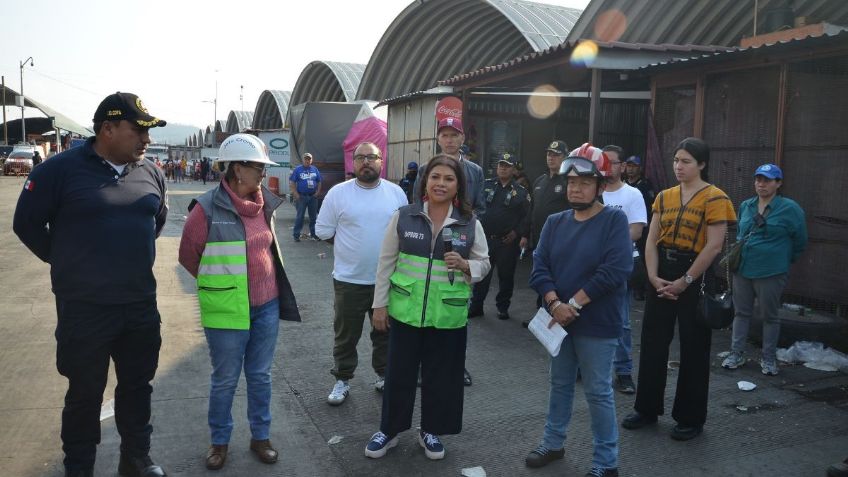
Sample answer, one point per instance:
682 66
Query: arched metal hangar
238 121
327 81
432 40
271 109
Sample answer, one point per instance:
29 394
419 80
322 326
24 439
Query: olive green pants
352 302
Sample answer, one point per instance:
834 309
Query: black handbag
715 308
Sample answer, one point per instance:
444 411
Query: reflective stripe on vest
222 288
420 293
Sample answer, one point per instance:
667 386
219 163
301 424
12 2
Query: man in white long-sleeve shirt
353 218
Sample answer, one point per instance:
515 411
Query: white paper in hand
551 338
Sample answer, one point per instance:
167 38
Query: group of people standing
417 260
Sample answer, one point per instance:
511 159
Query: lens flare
544 102
610 25
584 54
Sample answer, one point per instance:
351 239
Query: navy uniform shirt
96 228
548 198
507 209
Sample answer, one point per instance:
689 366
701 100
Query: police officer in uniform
548 196
506 220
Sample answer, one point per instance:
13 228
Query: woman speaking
431 254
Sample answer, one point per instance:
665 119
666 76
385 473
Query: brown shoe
264 451
216 457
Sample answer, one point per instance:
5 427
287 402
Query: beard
367 175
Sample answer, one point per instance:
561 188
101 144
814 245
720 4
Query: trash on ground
335 440
746 385
107 410
742 408
673 364
814 355
474 472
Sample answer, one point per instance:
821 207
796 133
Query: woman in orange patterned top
685 236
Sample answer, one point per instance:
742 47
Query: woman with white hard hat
229 245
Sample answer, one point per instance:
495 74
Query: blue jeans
623 363
594 356
229 351
303 203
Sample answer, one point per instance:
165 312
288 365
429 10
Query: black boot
139 467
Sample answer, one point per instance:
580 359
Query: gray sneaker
769 367
733 360
339 393
380 384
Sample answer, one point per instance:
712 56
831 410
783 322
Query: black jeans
87 336
690 399
441 356
504 257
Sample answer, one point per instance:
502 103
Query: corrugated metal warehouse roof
605 59
238 121
434 39
327 81
700 22
809 42
271 109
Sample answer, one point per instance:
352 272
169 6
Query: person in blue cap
775 233
408 181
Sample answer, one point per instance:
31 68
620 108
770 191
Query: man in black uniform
505 221
548 197
93 213
408 181
635 178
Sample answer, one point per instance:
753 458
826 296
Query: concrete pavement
794 424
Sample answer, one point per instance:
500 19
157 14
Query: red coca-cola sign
450 107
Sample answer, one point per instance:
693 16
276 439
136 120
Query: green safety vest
420 294
222 288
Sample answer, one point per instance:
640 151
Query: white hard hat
244 148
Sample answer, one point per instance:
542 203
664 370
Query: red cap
450 122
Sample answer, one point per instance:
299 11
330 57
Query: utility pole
23 98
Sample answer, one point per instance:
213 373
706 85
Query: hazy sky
168 51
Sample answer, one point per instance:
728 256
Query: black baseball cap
508 158
126 106
558 147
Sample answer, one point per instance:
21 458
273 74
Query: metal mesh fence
740 125
815 167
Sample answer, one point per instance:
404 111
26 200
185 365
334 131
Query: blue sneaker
433 447
379 445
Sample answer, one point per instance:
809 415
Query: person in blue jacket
580 267
776 233
93 213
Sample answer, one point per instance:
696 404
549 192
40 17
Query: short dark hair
461 194
99 124
617 149
700 150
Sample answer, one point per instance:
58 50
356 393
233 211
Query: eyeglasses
367 157
259 168
615 163
583 167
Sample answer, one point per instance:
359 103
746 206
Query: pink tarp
366 128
